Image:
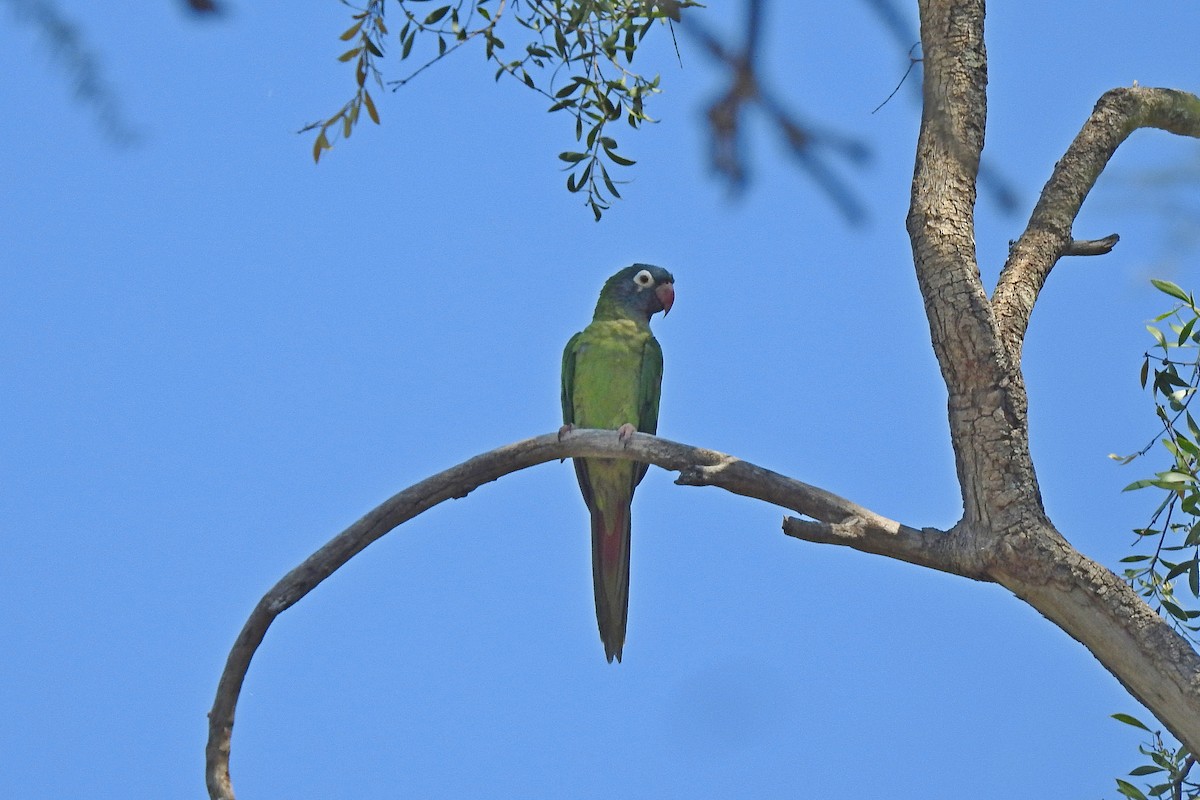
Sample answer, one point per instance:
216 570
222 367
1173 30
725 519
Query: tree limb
1047 237
70 47
1085 599
944 551
805 143
977 343
697 467
1092 247
986 396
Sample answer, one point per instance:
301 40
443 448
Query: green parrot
612 378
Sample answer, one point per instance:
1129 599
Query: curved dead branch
697 467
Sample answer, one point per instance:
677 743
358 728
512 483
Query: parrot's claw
625 433
563 431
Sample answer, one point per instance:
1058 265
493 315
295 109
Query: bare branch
83 67
203 6
1177 784
698 467
987 404
929 547
806 144
1092 247
1118 113
1086 600
912 63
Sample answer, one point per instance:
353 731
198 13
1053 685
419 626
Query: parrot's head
639 291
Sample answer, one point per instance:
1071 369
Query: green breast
608 366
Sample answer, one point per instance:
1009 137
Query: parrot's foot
563 431
625 433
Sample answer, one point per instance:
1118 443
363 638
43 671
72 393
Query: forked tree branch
977 341
1118 113
986 397
847 523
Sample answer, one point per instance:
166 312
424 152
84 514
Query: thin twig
912 63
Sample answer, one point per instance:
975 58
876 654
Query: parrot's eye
643 278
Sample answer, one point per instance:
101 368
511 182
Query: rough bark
1117 114
978 345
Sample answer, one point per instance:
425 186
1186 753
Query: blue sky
217 355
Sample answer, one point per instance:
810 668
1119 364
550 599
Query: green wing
568 379
649 392
568 409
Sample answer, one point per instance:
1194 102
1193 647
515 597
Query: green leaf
374 48
1145 371
436 15
1169 288
1175 611
1142 484
1179 569
608 182
1157 334
1186 331
1129 790
370 104
320 144
616 159
1186 445
1130 720
571 158
1147 769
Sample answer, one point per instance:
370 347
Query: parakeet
612 378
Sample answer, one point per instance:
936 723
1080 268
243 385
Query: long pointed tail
610 575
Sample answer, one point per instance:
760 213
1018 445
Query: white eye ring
643 278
